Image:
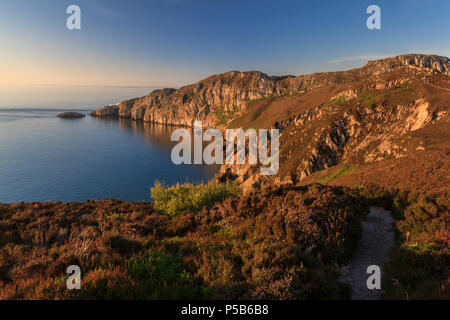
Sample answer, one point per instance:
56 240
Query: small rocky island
71 115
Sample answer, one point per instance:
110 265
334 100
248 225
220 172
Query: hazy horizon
126 49
163 43
67 96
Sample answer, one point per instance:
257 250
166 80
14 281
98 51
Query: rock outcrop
71 115
107 111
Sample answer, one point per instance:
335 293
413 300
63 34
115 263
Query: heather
419 268
273 244
419 265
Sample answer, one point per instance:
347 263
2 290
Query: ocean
44 158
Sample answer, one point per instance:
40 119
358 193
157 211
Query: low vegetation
210 241
275 244
419 266
275 96
336 101
176 199
392 96
225 115
345 169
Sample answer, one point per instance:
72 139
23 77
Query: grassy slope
264 113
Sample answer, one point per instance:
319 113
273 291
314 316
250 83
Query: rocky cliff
357 117
219 98
385 114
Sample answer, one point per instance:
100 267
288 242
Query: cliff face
388 115
357 117
217 99
200 101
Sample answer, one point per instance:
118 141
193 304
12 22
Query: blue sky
176 42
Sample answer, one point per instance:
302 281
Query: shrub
188 197
163 276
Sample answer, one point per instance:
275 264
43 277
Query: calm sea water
44 158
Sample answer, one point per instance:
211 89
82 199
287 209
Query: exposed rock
432 62
371 125
71 115
107 111
420 117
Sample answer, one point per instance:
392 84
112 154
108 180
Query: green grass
225 115
370 98
274 96
179 198
338 100
345 169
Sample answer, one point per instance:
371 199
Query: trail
375 247
435 86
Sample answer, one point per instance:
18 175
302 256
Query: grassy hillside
387 138
416 188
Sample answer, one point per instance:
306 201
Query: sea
45 158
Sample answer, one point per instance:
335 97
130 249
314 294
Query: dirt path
375 247
433 85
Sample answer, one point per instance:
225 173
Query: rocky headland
227 94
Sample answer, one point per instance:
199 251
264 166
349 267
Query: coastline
362 143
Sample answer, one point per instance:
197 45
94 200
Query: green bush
163 276
188 197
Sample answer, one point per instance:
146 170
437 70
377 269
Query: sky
160 43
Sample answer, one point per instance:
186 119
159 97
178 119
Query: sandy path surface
375 247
